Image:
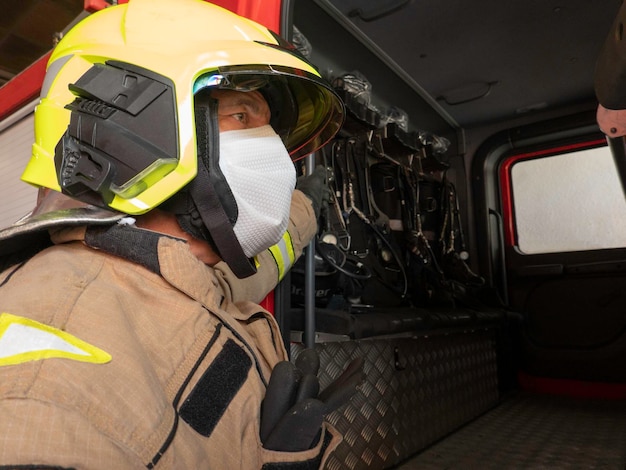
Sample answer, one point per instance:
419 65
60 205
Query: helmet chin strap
199 208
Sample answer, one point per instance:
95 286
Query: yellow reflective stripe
23 340
284 255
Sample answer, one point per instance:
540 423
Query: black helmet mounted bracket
122 134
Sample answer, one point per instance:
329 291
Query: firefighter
130 336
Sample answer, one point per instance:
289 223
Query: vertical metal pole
309 279
282 309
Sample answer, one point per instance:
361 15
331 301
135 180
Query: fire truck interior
489 340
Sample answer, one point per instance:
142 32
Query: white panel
569 202
16 197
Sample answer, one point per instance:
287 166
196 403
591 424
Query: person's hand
293 408
314 186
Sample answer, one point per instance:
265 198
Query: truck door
557 208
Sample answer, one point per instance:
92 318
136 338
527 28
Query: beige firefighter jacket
140 369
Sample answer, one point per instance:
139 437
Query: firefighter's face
241 110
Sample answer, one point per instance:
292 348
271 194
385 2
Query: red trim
505 181
268 302
507 200
572 388
266 12
23 88
95 5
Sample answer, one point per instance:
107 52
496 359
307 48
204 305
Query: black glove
315 188
293 409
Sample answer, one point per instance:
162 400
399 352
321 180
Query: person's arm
274 262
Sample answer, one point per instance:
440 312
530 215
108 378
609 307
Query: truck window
568 200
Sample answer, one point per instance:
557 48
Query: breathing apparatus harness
361 258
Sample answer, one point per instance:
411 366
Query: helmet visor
306 112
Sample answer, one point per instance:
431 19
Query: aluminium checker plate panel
417 390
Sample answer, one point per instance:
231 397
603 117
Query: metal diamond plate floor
535 432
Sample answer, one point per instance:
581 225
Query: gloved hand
314 186
293 409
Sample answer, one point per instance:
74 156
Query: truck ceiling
481 62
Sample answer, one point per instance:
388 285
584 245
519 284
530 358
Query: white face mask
262 177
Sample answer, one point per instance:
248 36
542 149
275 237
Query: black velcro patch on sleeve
217 387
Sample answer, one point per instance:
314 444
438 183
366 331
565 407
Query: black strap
220 228
207 200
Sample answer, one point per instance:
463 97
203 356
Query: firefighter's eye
241 117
